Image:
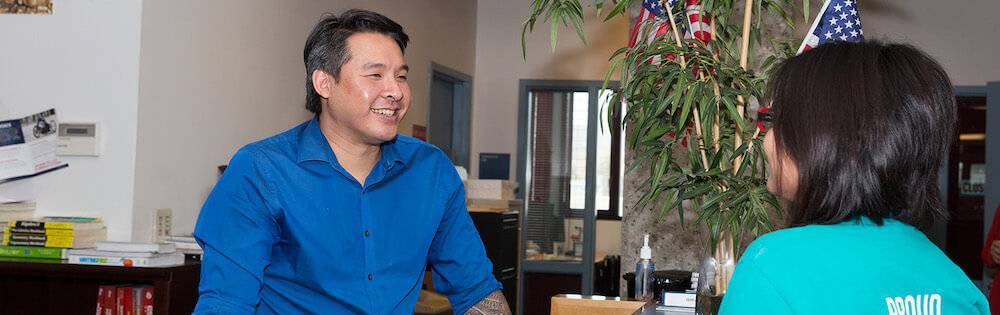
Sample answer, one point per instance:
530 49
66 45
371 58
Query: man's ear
322 82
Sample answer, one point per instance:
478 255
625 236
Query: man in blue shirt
340 215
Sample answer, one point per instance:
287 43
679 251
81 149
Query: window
560 115
571 163
610 162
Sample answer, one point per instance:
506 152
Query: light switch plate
162 224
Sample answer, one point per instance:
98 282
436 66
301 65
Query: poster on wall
420 132
28 146
26 6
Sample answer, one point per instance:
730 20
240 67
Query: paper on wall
28 146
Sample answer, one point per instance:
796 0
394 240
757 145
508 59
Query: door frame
992 187
585 267
462 110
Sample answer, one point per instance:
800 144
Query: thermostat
78 139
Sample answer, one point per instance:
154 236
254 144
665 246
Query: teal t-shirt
855 267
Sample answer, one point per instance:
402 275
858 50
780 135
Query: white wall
83 60
216 75
499 67
960 34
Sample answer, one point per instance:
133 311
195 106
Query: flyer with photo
28 146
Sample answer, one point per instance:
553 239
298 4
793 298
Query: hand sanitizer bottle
644 272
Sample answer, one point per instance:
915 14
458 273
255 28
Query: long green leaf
805 11
554 33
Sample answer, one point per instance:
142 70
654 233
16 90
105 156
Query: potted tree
691 102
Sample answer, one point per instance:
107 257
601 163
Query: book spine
38 237
119 300
100 300
50 232
124 302
109 261
147 300
109 300
42 225
96 260
52 243
32 252
136 300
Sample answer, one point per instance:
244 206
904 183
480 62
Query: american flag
839 20
651 10
698 26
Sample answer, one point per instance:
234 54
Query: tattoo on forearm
494 304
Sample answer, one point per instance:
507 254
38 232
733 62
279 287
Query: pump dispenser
644 272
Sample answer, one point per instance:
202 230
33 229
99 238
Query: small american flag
839 20
700 25
651 10
697 26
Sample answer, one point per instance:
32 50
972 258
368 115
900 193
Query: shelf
34 286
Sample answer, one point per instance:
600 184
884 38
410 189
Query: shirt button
370 277
366 233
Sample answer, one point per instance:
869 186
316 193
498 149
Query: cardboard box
489 189
488 205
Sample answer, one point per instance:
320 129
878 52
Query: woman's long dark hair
867 125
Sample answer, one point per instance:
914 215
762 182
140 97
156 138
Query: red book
147 301
100 300
124 301
108 300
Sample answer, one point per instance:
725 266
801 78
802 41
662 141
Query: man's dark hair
867 125
326 48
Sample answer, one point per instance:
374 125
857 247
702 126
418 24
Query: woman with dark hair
857 133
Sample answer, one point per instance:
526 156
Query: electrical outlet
162 224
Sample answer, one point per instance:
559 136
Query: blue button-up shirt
287 230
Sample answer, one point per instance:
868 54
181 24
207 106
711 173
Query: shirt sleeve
460 268
750 292
236 231
992 236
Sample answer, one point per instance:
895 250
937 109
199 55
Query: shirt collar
313 146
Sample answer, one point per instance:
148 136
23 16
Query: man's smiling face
371 94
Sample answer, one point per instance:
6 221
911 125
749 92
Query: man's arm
237 230
457 258
494 304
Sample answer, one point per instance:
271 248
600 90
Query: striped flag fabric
651 10
839 20
699 25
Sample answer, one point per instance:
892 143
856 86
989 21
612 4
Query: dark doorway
966 184
448 117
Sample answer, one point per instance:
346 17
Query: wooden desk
31 286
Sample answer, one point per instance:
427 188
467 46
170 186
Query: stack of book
128 254
33 252
187 245
48 237
125 300
14 211
680 303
